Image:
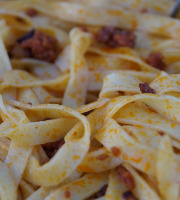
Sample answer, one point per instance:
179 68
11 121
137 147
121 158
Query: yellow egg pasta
89 100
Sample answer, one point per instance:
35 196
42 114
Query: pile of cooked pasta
89 100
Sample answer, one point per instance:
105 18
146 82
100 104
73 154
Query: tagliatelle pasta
89 100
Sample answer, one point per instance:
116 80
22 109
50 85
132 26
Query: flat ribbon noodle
75 93
21 79
43 192
26 189
95 78
136 114
115 188
148 136
18 155
143 189
165 105
119 82
81 188
5 63
72 152
105 50
162 6
125 54
98 161
165 84
168 188
126 19
7 183
17 20
113 135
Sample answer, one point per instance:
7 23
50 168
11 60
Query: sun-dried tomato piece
124 38
41 46
115 37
